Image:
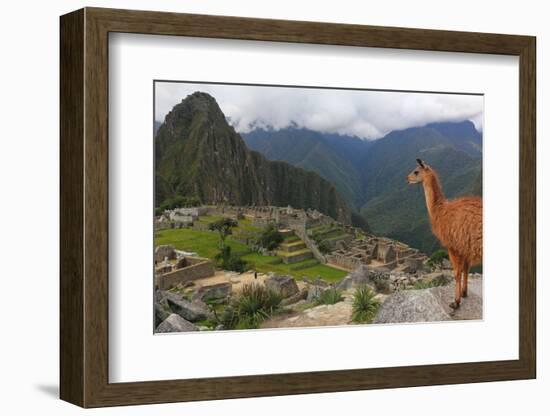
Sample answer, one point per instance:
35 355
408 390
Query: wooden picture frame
84 207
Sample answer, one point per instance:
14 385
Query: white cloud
366 114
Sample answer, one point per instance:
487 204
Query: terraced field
205 244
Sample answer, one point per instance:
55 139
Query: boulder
411 306
213 292
431 305
345 284
159 296
470 307
315 291
164 295
285 285
301 295
320 282
162 311
360 276
164 251
175 323
192 311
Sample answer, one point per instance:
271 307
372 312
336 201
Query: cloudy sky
366 114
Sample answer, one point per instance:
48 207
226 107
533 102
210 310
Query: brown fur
456 223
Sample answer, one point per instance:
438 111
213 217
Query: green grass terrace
205 244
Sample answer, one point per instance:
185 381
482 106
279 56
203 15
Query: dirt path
238 280
322 315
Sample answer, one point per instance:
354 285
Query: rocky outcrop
315 292
322 315
297 297
215 292
164 252
411 306
431 305
284 285
175 323
162 311
190 310
345 284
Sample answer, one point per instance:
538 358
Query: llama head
419 173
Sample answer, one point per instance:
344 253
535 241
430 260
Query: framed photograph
255 207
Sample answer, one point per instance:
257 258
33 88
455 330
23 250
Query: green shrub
230 261
223 227
324 247
329 297
270 238
365 305
236 264
438 281
249 308
437 257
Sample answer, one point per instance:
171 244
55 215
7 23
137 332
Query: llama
456 224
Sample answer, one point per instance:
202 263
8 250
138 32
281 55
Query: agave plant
250 307
365 305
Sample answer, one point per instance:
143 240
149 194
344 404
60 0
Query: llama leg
465 273
457 268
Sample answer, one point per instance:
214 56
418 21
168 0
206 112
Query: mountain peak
456 128
198 155
193 105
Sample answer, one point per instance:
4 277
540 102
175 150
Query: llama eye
416 172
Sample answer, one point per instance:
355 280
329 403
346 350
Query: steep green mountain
199 156
371 174
462 135
312 151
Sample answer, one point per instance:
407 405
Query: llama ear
420 163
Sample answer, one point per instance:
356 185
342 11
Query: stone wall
349 263
195 268
163 225
262 222
201 226
167 225
301 232
297 258
333 243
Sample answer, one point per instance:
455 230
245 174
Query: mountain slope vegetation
370 175
200 157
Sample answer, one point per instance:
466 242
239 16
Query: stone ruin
179 217
173 268
349 252
377 252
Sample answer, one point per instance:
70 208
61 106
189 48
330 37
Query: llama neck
433 193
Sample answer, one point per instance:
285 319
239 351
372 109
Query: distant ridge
370 175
